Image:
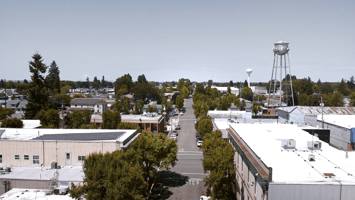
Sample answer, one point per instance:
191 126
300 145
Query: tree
5 112
218 160
123 85
255 108
10 85
210 82
49 118
110 176
53 79
185 92
111 119
326 88
204 126
351 83
231 83
352 99
343 88
153 152
103 82
87 85
124 125
179 102
142 79
138 106
77 118
247 93
75 96
242 105
122 105
335 99
151 108
12 123
38 94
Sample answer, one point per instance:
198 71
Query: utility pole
322 105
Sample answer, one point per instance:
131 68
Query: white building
234 90
280 161
94 105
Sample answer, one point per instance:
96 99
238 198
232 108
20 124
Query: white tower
249 71
283 86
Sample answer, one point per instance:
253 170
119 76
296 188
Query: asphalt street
189 166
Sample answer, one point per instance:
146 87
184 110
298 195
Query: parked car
175 132
173 137
177 127
203 197
199 143
157 191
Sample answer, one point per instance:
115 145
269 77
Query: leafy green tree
111 119
351 83
303 86
75 96
124 125
142 79
242 105
326 88
103 82
335 99
49 118
10 85
204 126
147 91
110 176
151 108
38 93
343 87
123 85
308 100
231 83
77 118
5 112
53 79
138 106
199 107
123 105
247 93
185 92
12 123
255 108
153 152
179 102
218 160
96 83
85 126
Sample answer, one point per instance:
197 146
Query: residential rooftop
32 194
144 118
293 165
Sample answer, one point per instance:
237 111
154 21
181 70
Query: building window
17 157
81 158
0 158
35 159
26 157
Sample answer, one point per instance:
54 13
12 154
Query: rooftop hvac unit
311 157
289 144
314 145
63 191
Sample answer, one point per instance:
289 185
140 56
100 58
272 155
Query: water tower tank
281 48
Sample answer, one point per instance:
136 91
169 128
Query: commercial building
66 147
151 122
234 90
281 161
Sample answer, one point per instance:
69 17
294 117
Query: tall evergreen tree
53 79
38 93
103 82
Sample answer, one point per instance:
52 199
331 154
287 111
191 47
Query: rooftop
317 110
87 101
345 121
32 194
293 166
119 135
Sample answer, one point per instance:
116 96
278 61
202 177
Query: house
281 161
17 105
151 122
66 147
92 104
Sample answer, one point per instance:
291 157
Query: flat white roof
31 123
29 134
32 194
66 173
346 121
224 88
292 166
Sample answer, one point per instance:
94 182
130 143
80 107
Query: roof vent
311 157
288 144
314 145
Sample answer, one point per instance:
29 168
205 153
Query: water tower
280 90
249 71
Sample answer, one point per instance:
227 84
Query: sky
170 39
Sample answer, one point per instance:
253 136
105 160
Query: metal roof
317 110
81 136
85 101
